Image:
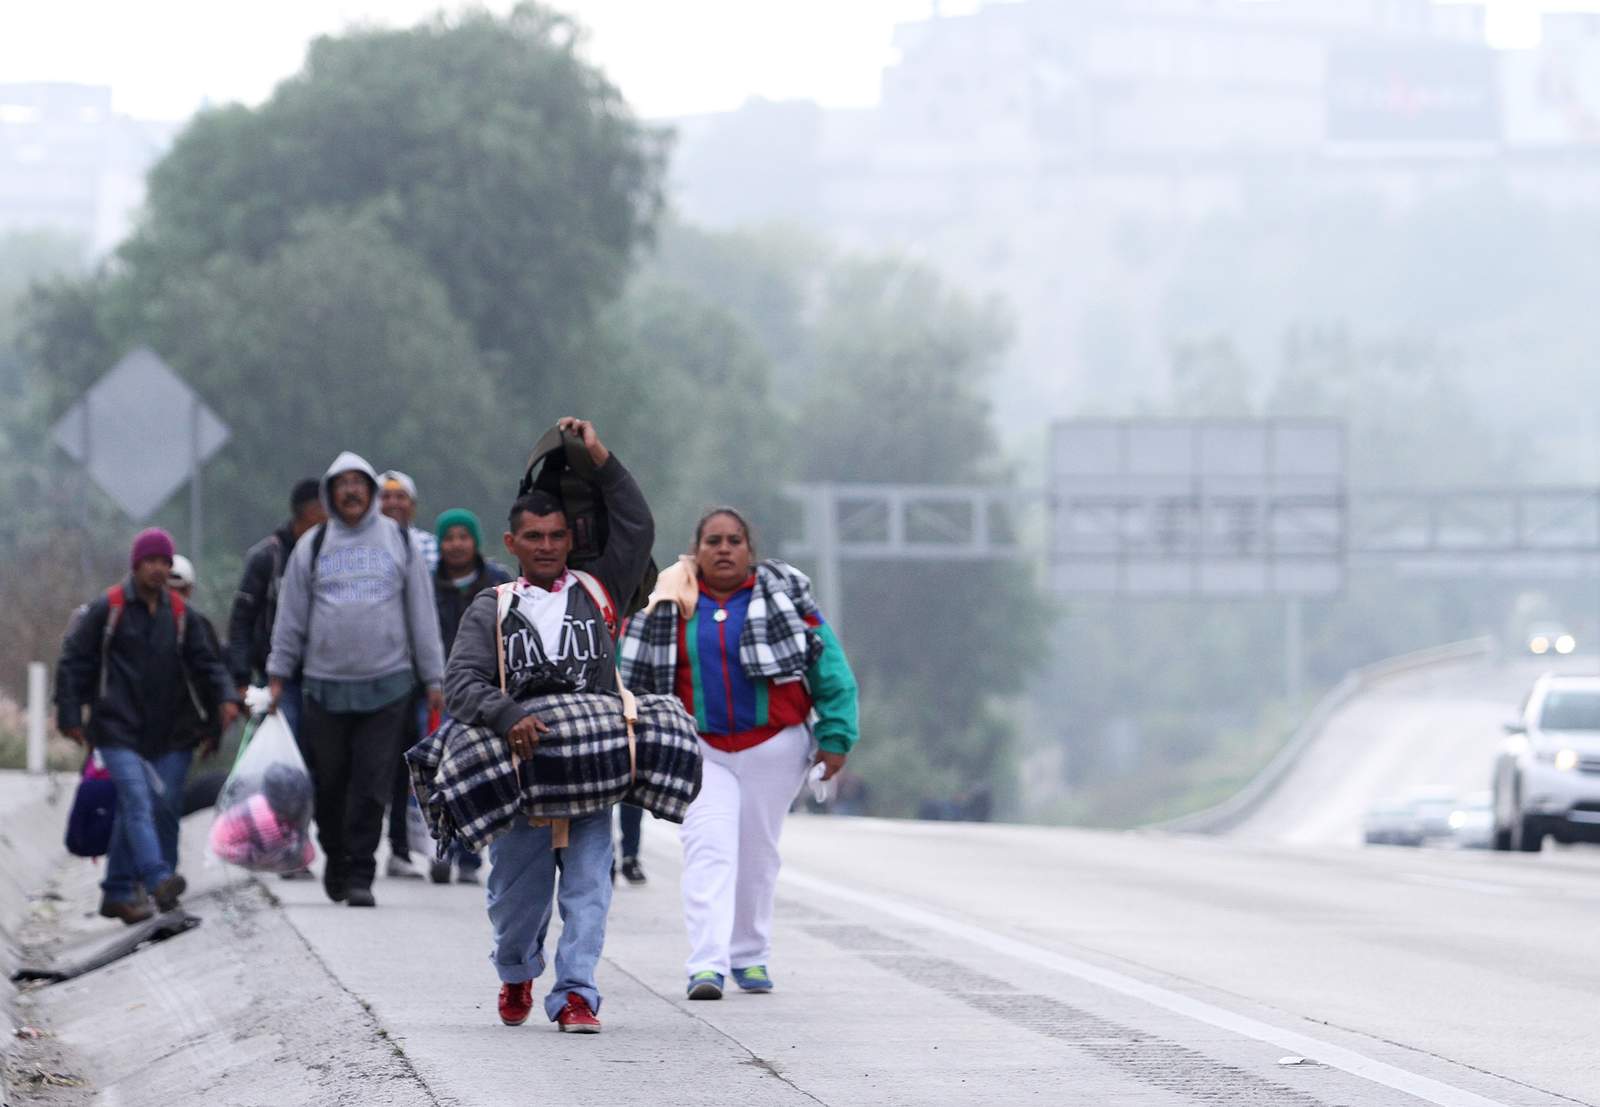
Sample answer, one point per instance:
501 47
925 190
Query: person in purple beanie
134 656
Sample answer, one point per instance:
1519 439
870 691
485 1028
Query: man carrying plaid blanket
553 637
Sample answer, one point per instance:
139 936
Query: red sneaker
576 1018
516 1001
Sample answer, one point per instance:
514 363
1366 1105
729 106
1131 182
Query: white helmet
182 574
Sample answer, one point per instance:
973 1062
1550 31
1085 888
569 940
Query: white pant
730 849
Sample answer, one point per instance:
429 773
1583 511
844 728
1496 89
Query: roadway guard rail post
38 694
1224 816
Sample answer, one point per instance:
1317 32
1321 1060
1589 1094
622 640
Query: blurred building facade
71 164
1051 151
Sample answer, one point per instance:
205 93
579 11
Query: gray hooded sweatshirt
365 611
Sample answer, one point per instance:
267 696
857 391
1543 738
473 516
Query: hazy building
1053 151
69 163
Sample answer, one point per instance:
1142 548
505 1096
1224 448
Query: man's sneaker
130 911
337 885
362 897
705 985
467 876
439 872
401 868
167 892
576 1018
516 1000
301 873
753 979
631 871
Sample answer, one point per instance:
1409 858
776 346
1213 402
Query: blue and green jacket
733 711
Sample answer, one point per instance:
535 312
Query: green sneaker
705 985
753 979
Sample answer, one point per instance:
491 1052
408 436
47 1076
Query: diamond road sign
140 432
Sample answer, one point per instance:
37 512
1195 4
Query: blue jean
521 889
632 820
144 838
289 702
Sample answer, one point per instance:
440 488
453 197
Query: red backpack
118 600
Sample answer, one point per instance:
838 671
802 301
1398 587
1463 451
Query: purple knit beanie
154 542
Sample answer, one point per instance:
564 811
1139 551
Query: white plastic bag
263 819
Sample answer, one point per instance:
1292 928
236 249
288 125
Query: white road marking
1379 1072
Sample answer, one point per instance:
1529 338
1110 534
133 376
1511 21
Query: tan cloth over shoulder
678 583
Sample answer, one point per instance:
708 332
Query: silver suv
1547 776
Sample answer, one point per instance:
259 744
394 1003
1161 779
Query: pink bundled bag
263 820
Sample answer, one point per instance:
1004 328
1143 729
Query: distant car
1547 775
1392 822
1472 822
1550 638
1433 808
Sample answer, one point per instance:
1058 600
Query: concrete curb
33 814
1223 817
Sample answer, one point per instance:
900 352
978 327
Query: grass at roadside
1159 788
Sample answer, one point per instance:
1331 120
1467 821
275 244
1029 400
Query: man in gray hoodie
356 624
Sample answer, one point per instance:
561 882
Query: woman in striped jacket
746 649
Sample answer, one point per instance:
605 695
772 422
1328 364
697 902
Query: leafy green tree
899 394
509 166
406 250
337 340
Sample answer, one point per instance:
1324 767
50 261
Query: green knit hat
459 517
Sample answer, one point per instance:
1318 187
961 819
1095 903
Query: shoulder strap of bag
602 599
503 595
116 601
179 608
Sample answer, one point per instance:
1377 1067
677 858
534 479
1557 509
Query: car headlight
1566 644
1458 819
1564 760
1538 644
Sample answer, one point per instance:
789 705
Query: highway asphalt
937 963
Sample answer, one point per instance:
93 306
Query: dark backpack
560 465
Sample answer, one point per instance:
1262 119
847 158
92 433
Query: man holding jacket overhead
356 622
555 636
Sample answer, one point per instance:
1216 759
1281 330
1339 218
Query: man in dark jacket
256 603
132 658
461 575
554 636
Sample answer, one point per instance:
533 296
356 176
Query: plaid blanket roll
470 792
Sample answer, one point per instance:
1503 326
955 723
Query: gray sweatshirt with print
365 609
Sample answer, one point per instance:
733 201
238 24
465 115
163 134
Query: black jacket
146 681
452 601
255 605
197 714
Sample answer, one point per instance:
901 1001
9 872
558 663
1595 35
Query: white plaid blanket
470 791
775 642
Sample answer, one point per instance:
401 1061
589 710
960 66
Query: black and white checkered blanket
775 642
470 791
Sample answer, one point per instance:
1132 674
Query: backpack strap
116 603
179 608
504 594
116 600
602 599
